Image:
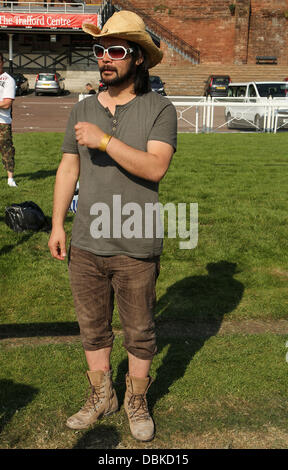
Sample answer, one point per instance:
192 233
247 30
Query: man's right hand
57 244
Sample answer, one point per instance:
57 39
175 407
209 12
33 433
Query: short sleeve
9 88
165 126
70 144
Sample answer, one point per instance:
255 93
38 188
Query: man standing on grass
7 95
122 140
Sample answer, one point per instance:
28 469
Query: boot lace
93 397
138 407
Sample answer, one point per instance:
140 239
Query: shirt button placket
114 125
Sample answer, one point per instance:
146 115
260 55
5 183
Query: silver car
47 82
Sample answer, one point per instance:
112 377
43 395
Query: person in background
90 89
124 141
7 95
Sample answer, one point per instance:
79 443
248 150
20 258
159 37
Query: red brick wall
207 26
220 36
268 30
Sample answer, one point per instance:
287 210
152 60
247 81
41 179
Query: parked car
47 82
157 85
22 83
217 85
254 92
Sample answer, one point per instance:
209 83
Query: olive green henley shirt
114 207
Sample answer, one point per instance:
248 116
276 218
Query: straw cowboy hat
129 26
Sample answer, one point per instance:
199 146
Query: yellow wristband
104 142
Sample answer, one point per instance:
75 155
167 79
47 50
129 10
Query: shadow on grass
30 330
191 311
41 174
7 248
101 437
23 237
202 301
13 397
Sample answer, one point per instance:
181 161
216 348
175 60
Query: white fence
203 115
200 114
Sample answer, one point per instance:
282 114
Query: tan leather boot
135 404
101 402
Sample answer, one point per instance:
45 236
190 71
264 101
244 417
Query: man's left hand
88 134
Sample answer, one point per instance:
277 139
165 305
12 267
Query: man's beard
117 80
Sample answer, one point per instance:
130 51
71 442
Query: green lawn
210 390
225 387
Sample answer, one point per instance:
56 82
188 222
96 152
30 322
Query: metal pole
204 116
269 114
10 53
265 119
276 122
208 113
273 117
212 114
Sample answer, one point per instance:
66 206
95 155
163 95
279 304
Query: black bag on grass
26 216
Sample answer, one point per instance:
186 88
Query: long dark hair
141 82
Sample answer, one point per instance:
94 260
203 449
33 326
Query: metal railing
205 115
198 114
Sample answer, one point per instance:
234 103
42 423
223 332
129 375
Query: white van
254 92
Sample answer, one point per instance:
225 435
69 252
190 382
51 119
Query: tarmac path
19 335
49 113
44 113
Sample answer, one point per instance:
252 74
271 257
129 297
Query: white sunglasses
114 52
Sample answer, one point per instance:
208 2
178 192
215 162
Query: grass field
221 369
